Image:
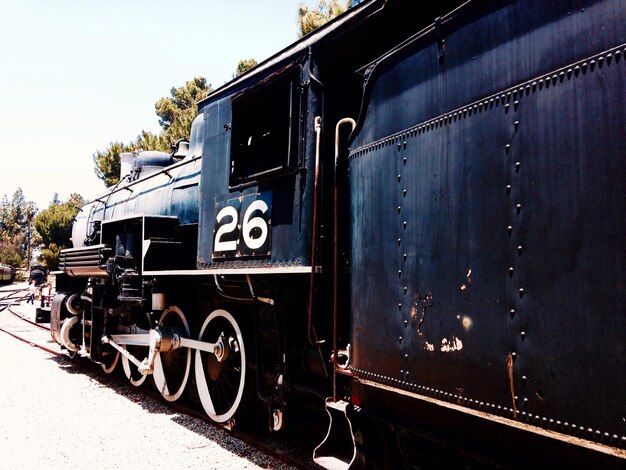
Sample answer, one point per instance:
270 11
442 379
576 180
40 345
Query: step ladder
338 449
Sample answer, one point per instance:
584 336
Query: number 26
253 232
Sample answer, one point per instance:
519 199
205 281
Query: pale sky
76 75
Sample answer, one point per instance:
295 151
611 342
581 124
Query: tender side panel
493 228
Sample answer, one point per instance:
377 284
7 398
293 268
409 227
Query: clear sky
76 75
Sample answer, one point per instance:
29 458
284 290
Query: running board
338 449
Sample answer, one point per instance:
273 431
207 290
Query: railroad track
18 321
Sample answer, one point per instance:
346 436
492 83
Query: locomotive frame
405 224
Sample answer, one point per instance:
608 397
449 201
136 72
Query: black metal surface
290 189
487 207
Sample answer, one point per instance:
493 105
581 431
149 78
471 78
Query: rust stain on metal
425 303
509 366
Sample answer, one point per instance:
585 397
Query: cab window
265 129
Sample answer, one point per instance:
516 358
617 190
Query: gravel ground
53 416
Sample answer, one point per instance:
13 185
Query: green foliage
50 257
176 114
15 219
54 225
10 255
107 162
169 109
244 65
310 19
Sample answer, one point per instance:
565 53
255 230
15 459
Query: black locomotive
415 212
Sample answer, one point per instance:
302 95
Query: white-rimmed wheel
130 370
171 369
221 377
110 358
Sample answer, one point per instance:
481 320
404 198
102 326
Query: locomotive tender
415 212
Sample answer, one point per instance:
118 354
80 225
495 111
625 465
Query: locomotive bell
180 149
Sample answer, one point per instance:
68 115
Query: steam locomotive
413 215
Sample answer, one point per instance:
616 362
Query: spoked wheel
130 370
171 369
110 357
221 377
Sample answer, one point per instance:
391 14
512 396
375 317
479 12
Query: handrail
165 171
352 123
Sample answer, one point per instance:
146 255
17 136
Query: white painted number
242 233
231 245
251 237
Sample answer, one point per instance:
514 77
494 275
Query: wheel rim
110 357
221 384
71 333
130 370
171 369
72 303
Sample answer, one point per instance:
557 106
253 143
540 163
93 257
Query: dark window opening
265 129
